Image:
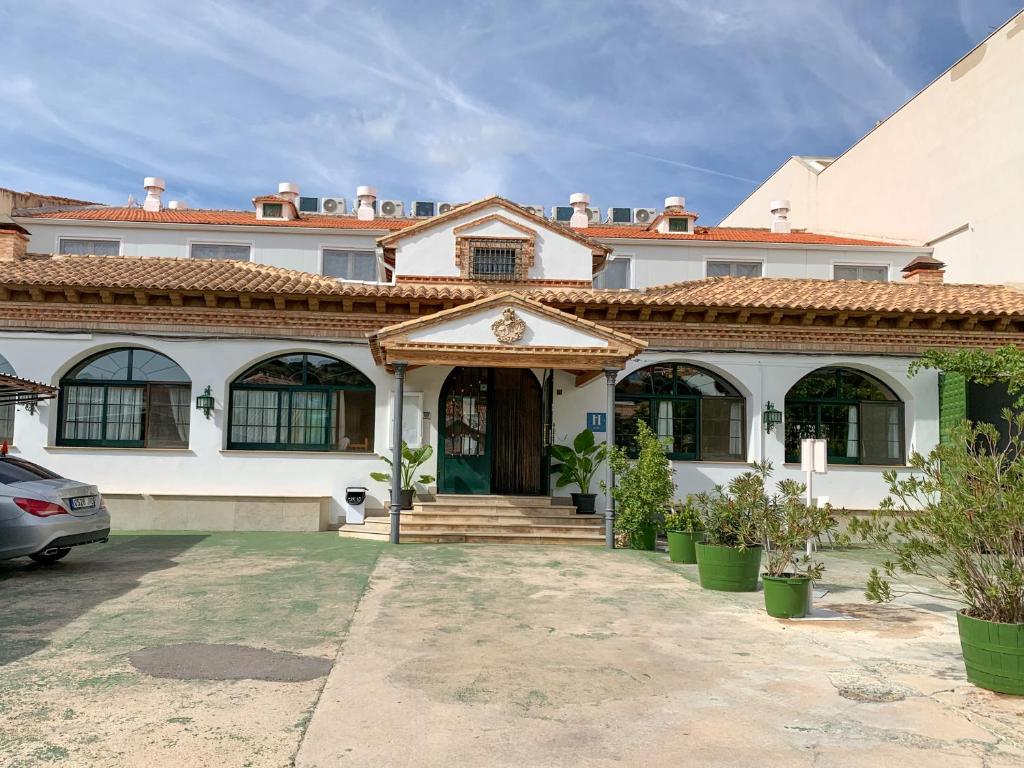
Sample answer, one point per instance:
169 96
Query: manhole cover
203 661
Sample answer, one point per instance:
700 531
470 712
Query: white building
489 312
945 170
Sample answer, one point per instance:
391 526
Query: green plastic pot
727 569
682 546
786 597
993 654
645 538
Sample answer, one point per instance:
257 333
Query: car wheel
50 557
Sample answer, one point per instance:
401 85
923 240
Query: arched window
860 417
7 409
301 402
125 398
700 413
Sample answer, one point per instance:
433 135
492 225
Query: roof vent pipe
675 204
154 188
780 216
177 205
289 190
580 218
366 196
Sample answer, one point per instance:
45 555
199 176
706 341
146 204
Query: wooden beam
176 299
211 300
586 376
937 322
743 316
346 305
314 303
872 321
72 295
5 294
645 314
382 307
710 315
905 321
141 298
279 303
1004 323
840 319
677 315
611 313
969 323
776 317
414 307
245 301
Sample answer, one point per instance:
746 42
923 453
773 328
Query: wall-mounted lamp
205 402
772 417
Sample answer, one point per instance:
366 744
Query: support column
396 452
609 508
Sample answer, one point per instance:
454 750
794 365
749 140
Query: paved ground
466 655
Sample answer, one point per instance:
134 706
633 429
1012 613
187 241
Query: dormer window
678 224
494 259
273 211
491 263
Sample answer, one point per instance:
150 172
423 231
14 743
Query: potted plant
729 558
684 529
412 459
643 489
578 463
787 525
959 521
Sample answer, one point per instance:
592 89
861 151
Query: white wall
476 329
952 156
287 247
432 251
207 468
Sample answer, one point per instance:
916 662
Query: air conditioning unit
424 209
445 208
333 206
594 214
561 213
309 205
392 209
536 210
620 216
644 215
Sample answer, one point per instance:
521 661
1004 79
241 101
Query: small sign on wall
597 421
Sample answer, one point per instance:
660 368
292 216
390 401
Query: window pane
819 385
719 269
354 421
676 423
839 427
273 210
124 414
747 269
220 251
615 275
167 416
83 413
494 263
721 429
678 224
152 366
254 415
874 273
696 381
308 418
85 247
852 272
844 273
465 423
283 370
113 366
326 370
637 383
882 433
801 420
663 379
854 385
350 265
627 414
734 269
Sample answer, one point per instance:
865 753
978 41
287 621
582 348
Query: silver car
43 515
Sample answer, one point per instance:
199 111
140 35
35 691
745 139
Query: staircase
487 519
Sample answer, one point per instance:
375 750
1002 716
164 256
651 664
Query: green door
465 465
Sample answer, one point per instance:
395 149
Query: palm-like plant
412 459
579 462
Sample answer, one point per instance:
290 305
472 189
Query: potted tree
578 463
729 558
643 489
959 521
787 525
684 529
412 459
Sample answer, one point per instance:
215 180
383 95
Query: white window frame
733 260
118 240
251 245
875 264
328 247
632 271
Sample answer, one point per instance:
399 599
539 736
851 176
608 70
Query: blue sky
629 101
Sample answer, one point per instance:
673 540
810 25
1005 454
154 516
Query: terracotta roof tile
205 216
731 234
164 274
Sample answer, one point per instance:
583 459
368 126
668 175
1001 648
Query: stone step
500 517
431 527
501 538
489 500
472 511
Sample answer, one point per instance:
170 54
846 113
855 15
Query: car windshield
20 471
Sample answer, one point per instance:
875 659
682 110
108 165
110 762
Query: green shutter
952 402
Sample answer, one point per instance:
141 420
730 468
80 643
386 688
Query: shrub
643 486
963 524
787 525
732 515
685 516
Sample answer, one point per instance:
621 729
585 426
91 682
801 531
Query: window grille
494 263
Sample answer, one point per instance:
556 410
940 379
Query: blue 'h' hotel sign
597 422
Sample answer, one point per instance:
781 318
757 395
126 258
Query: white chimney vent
780 216
154 188
177 205
580 218
289 190
675 202
366 196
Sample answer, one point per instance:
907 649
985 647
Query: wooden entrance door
491 436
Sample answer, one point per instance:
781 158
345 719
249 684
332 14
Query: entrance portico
495 423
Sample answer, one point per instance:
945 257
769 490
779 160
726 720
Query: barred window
494 263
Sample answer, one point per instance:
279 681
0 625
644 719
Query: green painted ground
68 692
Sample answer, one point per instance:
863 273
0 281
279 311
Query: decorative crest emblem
508 328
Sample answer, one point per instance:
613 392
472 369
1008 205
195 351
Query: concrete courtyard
434 655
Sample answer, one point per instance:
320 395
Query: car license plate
83 502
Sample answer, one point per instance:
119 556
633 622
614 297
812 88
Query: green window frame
861 418
273 211
301 402
701 414
678 224
128 397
